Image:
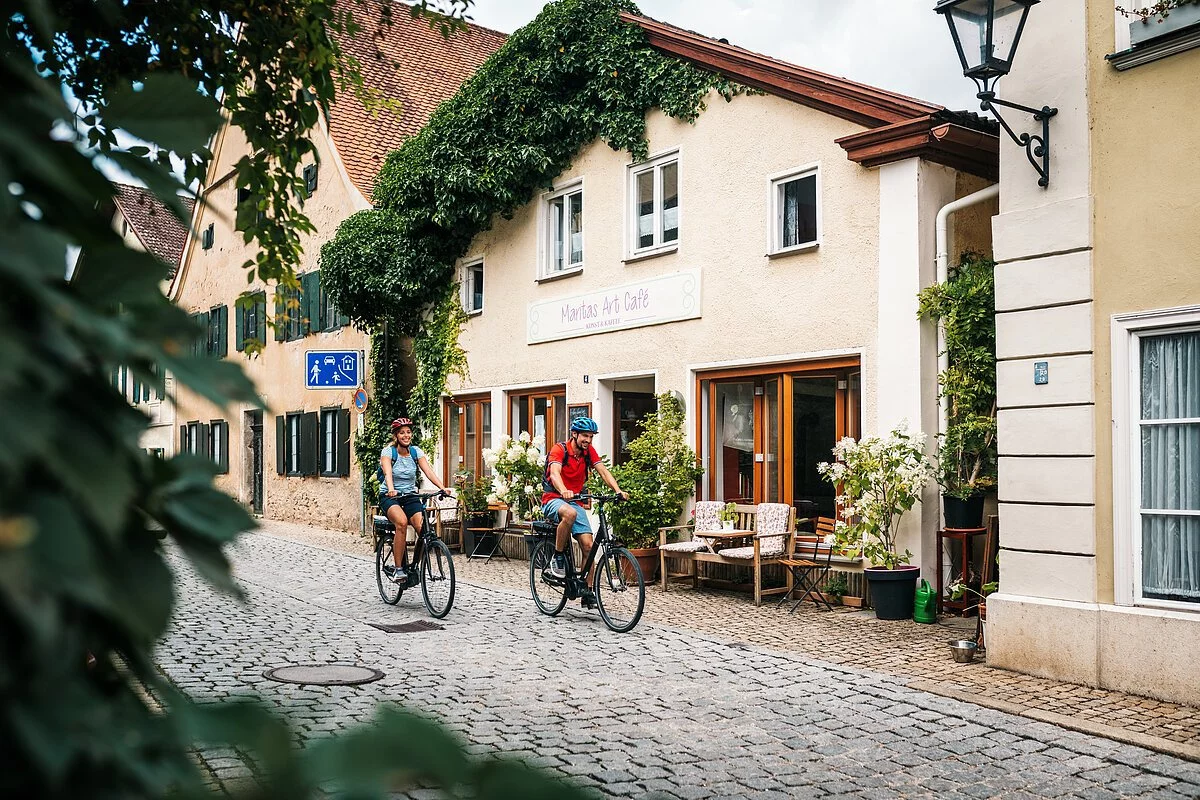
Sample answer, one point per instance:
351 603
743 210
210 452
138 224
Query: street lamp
986 34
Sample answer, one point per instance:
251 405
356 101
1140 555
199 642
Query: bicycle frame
428 528
600 540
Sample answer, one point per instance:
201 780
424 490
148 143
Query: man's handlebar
599 498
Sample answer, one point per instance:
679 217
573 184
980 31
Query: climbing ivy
574 74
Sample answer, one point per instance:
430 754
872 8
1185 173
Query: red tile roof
406 61
152 223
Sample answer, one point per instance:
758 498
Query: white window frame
1127 332
468 269
214 439
329 441
655 163
546 253
293 437
775 184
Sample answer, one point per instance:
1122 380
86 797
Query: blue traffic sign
332 369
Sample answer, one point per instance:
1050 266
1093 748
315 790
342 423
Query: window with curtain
564 247
794 197
1169 457
654 202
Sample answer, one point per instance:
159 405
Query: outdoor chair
446 521
810 564
706 519
774 527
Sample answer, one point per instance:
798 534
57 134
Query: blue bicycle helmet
584 425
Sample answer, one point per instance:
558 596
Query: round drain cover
324 674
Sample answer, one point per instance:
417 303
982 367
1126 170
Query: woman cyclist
398 498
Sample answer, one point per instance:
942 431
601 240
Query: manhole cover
408 627
324 674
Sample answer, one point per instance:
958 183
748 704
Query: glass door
814 432
733 467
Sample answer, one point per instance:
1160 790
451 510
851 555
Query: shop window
468 432
564 232
335 442
218 444
472 285
1157 469
296 443
541 413
795 217
654 202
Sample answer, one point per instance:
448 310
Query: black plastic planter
963 514
893 591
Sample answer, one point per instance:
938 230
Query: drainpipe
943 270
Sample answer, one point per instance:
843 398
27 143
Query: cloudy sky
900 45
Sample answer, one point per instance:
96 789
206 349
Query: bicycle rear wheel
437 578
620 589
389 590
549 597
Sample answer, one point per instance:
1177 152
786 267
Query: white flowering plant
879 478
517 469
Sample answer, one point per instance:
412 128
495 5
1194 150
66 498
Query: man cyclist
566 471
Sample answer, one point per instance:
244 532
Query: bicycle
435 573
617 579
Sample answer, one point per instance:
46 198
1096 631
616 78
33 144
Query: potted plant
967 457
660 476
835 588
728 516
880 478
517 467
472 493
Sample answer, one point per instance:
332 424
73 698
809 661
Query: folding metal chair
488 543
810 565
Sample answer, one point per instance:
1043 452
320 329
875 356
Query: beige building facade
294 459
763 263
1097 279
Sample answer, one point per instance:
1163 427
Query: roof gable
153 223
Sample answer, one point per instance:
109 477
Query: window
468 432
654 193
297 443
335 442
194 438
289 314
1156 407
157 452
206 238
213 330
564 232
540 413
310 179
322 314
251 321
473 288
795 218
218 444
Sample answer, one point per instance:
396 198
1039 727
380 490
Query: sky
898 45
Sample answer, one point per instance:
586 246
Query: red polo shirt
574 468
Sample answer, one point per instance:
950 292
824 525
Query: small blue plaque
1041 372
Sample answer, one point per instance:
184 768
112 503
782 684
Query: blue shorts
582 523
410 504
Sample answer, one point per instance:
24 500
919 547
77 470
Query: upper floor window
795 218
564 231
207 237
310 179
473 288
251 319
213 329
218 444
654 200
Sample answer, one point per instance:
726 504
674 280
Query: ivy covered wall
574 74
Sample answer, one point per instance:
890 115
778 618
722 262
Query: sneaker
398 574
558 566
587 598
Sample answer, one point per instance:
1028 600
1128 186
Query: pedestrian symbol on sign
325 369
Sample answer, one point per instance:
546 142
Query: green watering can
925 605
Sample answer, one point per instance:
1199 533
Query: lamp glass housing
986 34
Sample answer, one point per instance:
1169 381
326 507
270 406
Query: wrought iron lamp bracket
1037 148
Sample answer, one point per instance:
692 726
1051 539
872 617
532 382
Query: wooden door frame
474 399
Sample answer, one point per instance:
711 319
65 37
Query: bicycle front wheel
437 578
620 589
389 590
550 597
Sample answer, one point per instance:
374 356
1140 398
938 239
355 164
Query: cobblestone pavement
671 712
856 639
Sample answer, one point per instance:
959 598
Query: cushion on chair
447 509
694 546
706 515
740 552
771 519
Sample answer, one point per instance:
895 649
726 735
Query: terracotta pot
648 560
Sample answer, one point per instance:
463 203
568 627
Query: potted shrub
517 467
967 457
660 476
728 516
473 499
880 478
835 588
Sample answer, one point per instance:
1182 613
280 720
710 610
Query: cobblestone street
664 711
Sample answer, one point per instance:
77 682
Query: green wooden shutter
239 326
183 438
136 395
203 449
280 314
223 441
221 323
280 444
309 433
260 318
343 442
310 302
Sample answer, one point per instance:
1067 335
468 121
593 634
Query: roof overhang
929 138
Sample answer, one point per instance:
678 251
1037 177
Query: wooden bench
749 556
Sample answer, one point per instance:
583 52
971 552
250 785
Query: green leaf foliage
574 74
965 306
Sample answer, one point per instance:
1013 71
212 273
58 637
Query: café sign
668 298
